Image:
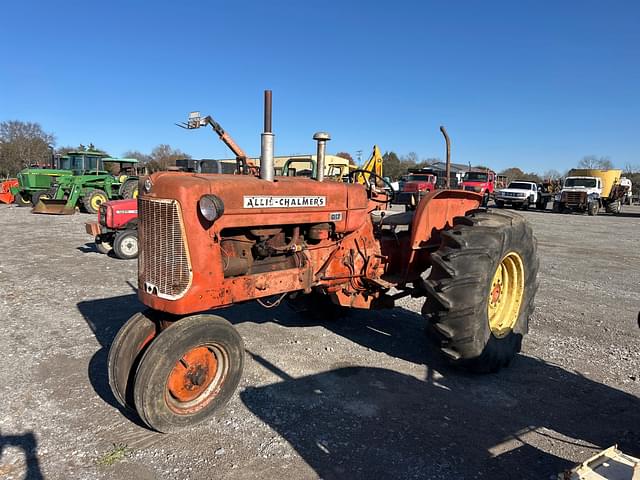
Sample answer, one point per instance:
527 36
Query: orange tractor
210 241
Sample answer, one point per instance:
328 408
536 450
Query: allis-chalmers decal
267 201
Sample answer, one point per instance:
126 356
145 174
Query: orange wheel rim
192 374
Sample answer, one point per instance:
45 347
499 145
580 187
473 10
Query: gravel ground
366 397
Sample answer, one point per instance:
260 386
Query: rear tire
189 372
93 199
129 188
467 271
22 201
125 244
614 207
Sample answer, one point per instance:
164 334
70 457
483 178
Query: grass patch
114 455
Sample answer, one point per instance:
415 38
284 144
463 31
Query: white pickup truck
519 194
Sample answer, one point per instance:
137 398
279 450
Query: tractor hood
248 200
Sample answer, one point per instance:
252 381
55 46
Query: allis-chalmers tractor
210 241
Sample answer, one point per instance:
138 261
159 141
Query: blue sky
533 84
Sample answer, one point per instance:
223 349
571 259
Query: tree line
25 143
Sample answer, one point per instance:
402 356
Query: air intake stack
322 138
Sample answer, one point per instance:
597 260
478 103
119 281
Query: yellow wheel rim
135 192
96 201
505 295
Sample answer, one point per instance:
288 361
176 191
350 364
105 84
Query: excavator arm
374 165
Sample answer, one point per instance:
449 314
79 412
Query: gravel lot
367 397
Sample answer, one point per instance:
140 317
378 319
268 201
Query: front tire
592 208
189 372
22 200
125 244
102 246
481 288
125 352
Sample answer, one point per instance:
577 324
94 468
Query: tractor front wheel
22 201
93 199
125 245
189 372
480 289
44 195
102 245
124 354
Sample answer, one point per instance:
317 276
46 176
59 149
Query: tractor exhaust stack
448 167
266 150
322 138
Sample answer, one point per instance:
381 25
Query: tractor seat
398 219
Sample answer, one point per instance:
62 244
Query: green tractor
35 181
96 179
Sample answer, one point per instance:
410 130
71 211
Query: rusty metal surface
436 212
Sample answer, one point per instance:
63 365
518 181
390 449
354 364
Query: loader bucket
53 207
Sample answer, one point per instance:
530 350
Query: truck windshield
475 177
520 185
418 178
580 182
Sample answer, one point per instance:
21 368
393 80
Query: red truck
416 184
480 181
116 228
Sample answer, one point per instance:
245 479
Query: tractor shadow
356 421
28 443
105 317
367 422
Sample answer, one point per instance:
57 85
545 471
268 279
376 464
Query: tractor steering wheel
369 187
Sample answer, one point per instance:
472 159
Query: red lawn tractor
116 228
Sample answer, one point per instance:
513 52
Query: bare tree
143 158
23 144
593 161
551 174
164 156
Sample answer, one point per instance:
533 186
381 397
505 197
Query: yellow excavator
373 165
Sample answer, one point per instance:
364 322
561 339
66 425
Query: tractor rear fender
436 212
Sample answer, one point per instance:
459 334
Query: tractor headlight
147 185
211 207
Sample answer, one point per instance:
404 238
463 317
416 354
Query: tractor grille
574 198
163 262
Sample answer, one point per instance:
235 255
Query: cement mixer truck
589 190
